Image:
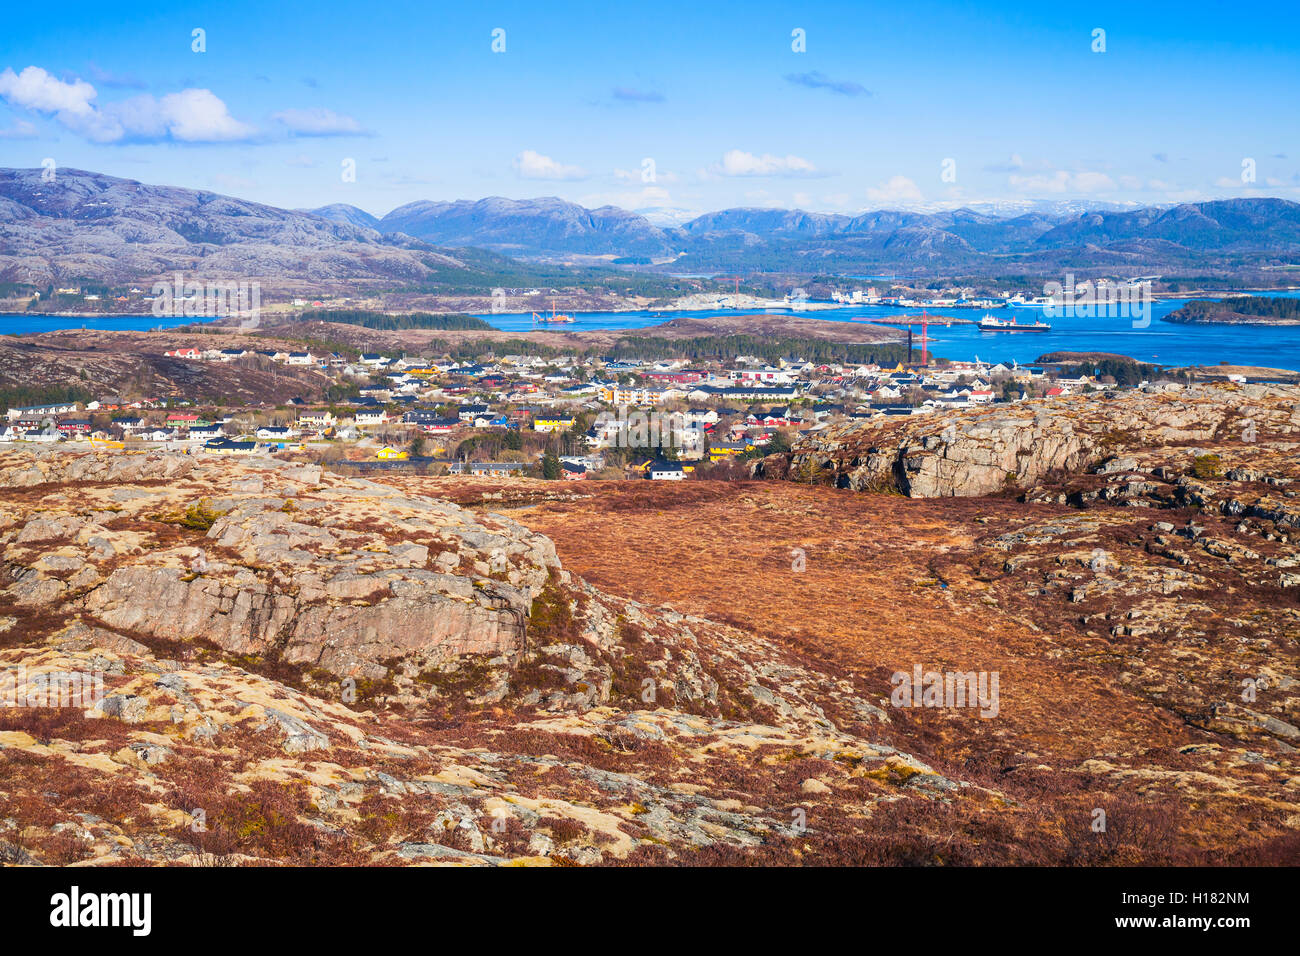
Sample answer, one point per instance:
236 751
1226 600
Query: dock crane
553 317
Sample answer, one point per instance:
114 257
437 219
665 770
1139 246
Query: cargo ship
990 324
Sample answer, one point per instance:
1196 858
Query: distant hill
349 215
1225 226
530 227
768 222
86 226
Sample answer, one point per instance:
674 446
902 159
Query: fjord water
29 323
1157 342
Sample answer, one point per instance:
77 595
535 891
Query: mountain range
86 226
1219 234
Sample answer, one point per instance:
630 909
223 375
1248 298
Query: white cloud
198 116
635 176
35 89
1016 162
736 162
189 116
533 165
1057 182
318 122
649 195
897 189
20 130
1088 182
1063 181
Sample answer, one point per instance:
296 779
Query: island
1238 310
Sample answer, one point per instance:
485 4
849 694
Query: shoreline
767 307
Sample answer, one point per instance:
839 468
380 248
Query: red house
682 376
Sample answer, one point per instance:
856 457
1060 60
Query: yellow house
552 424
315 419
391 454
618 395
724 449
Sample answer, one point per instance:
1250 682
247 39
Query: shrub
1206 467
197 517
563 829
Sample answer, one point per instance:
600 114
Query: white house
315 419
768 375
276 433
665 471
40 411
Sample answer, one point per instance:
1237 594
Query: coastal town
512 414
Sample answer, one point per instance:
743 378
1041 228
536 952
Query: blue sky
714 94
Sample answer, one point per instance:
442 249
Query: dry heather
1141 605
303 668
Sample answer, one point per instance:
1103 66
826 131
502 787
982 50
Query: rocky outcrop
280 650
323 622
37 470
973 452
346 577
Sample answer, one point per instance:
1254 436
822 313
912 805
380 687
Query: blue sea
1161 343
25 323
